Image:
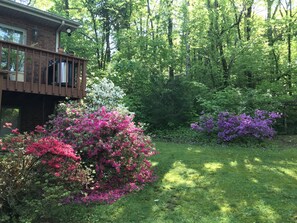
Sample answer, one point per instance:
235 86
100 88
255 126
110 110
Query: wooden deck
32 70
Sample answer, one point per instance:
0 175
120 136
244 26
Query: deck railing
33 70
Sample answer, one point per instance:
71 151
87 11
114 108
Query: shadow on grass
199 184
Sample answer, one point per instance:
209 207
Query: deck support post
1 87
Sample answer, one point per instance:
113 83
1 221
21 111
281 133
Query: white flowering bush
106 94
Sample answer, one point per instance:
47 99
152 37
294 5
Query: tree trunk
271 15
67 8
289 45
98 56
248 72
186 33
107 38
150 20
170 40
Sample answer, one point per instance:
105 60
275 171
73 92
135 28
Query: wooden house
34 74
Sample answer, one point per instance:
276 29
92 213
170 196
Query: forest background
176 59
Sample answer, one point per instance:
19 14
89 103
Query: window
9 115
12 34
16 58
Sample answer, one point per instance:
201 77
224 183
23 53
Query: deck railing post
84 81
1 87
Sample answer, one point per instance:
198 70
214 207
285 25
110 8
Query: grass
207 184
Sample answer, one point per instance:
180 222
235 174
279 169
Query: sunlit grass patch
207 184
213 167
180 175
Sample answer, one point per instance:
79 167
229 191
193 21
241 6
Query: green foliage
178 135
244 59
239 100
23 190
166 104
43 206
229 99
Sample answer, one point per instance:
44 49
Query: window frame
14 28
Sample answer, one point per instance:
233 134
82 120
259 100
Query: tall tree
169 5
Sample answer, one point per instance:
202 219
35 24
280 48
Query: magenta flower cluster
111 145
46 153
58 157
229 127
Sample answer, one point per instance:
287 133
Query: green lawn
207 184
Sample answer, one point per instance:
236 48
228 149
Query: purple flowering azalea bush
228 127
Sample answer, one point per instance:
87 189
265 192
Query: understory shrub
229 127
111 145
104 93
239 100
163 104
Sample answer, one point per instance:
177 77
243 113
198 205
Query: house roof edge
39 13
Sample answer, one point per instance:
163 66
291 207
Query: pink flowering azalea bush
81 156
36 173
58 158
110 144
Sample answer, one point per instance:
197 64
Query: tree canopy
180 57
